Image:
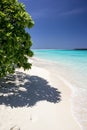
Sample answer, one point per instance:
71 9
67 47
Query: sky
59 24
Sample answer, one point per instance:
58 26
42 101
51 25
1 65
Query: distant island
80 49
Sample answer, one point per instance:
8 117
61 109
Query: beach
36 100
43 65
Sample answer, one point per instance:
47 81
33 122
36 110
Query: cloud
73 12
50 13
52 9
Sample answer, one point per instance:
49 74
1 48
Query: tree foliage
15 42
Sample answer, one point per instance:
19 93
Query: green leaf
15 42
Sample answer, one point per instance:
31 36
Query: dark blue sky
59 24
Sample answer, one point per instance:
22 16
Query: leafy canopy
15 42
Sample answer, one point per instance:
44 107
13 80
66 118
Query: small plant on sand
15 42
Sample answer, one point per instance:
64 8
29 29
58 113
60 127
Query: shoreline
66 83
46 113
66 95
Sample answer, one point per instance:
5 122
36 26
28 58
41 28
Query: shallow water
71 65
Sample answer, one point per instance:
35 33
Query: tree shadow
21 90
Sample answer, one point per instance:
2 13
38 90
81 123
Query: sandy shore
32 100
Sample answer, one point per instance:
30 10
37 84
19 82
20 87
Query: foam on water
75 61
71 68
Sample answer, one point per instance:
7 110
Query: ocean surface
71 67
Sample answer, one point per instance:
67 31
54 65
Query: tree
15 42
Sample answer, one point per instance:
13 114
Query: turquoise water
71 65
76 60
64 56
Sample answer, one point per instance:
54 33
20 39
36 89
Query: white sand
42 114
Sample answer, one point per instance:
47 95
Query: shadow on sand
21 90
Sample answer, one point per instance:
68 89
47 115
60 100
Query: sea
71 67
